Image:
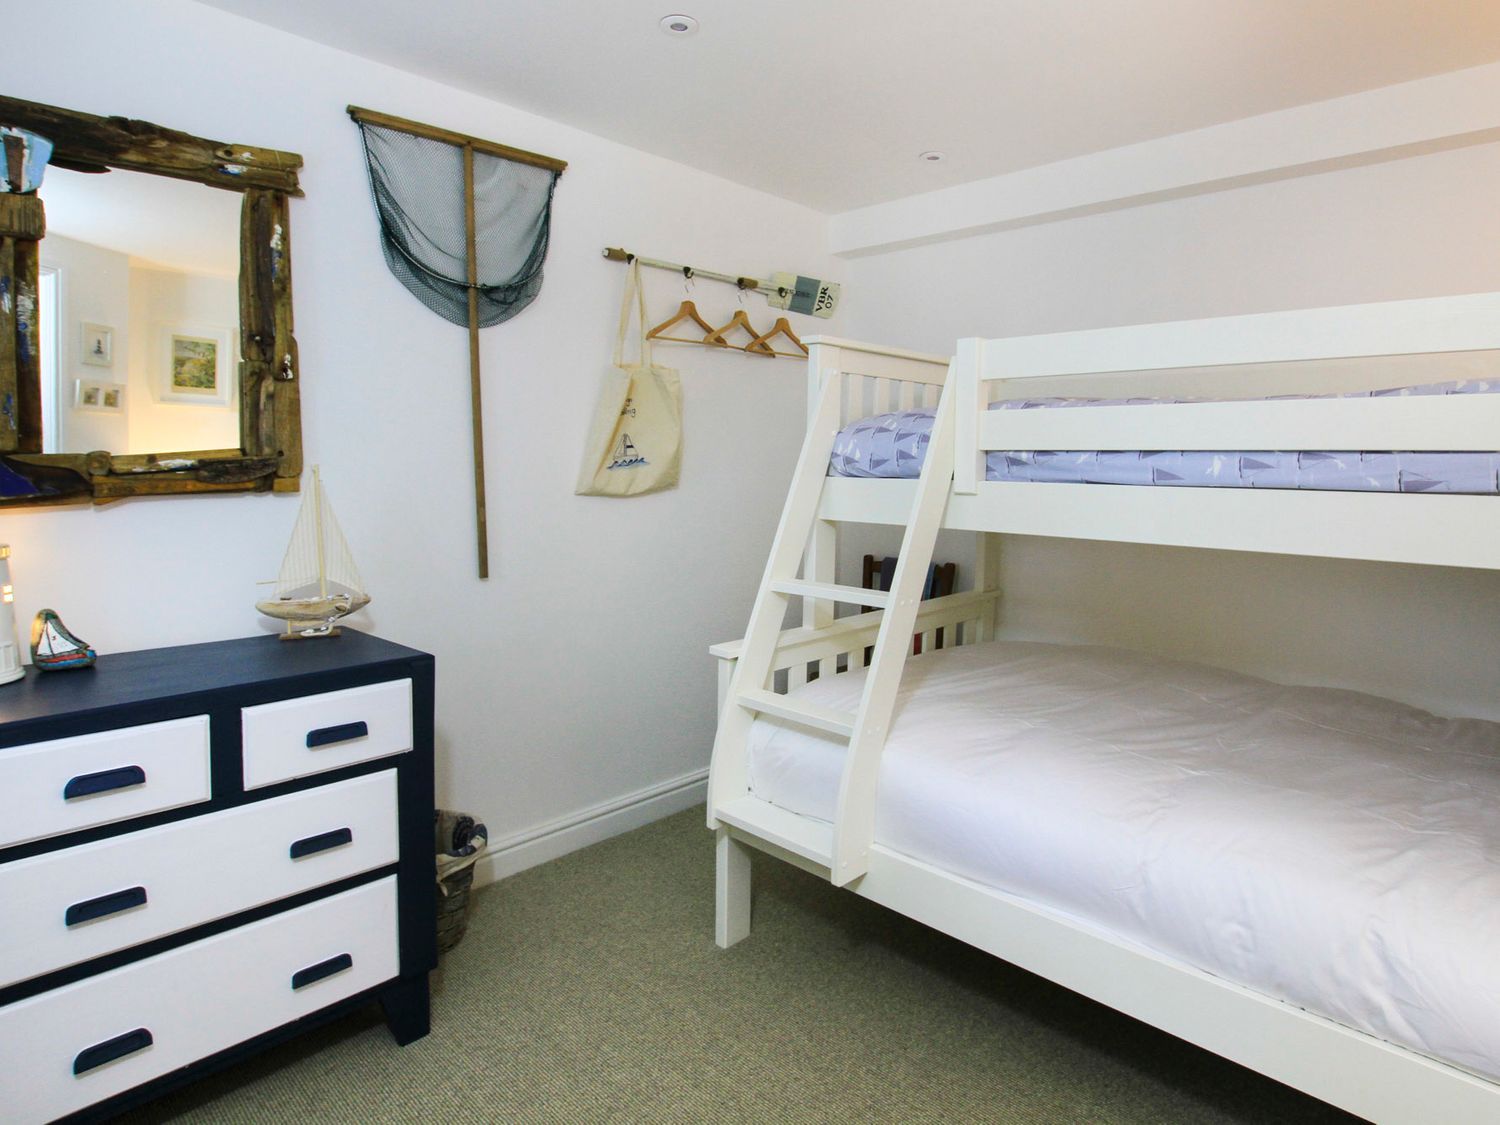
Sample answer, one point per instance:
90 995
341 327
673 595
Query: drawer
297 737
71 905
48 788
167 1011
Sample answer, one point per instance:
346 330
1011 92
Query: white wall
577 674
94 288
161 302
1418 227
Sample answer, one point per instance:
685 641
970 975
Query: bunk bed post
968 458
822 360
987 549
731 889
726 678
818 566
820 561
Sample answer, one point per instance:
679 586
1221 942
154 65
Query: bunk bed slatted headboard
810 652
875 381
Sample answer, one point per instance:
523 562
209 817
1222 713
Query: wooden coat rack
760 343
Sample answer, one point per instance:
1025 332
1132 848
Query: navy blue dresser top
160 675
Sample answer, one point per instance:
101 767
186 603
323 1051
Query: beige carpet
590 989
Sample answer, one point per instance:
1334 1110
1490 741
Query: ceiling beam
1395 122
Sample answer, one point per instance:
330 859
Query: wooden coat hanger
739 320
782 328
686 311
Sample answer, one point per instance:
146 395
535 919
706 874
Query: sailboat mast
318 518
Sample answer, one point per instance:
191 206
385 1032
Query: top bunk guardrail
1431 325
1447 529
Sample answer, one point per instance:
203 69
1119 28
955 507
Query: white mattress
1327 848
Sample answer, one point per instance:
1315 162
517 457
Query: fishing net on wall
418 185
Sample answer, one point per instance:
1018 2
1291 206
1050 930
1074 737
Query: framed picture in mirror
97 347
89 395
195 363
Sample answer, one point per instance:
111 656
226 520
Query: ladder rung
849 595
800 835
807 714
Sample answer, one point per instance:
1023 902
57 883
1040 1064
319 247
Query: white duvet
1327 848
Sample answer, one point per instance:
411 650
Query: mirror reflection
139 314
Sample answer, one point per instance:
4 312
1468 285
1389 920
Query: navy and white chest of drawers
203 851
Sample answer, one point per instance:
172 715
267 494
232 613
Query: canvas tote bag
635 441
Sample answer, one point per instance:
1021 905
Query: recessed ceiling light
932 156
678 25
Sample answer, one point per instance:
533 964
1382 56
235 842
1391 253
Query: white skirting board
509 855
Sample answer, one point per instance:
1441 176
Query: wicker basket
455 873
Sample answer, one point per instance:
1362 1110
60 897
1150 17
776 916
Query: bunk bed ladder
845 852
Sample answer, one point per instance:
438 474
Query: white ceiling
829 102
156 221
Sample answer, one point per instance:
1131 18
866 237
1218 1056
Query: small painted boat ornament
318 583
54 648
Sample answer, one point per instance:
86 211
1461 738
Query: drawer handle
87 784
105 905
314 973
111 1049
344 732
312 845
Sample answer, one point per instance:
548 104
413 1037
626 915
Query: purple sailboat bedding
895 445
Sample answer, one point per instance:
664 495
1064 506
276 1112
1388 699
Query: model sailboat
53 647
318 583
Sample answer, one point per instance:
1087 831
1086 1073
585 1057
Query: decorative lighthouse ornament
10 645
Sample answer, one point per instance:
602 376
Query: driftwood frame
270 453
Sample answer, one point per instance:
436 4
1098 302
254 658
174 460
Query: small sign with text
805 295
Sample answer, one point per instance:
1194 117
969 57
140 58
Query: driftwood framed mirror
92 410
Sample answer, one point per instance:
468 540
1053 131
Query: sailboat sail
317 561
319 582
53 646
626 456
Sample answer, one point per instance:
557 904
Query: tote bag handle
643 345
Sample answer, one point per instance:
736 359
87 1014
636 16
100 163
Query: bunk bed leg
731 890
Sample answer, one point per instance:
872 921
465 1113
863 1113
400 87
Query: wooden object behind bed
877 575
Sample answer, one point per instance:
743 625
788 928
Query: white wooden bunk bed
762 677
